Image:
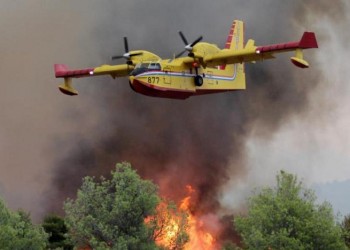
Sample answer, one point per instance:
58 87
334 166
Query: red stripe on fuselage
151 90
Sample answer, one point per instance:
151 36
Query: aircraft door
167 75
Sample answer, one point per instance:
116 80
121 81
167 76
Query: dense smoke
172 142
185 142
313 141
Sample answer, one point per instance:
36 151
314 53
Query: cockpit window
144 67
154 66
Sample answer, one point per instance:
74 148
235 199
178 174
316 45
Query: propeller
127 55
188 46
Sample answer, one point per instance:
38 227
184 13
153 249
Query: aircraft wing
62 71
252 53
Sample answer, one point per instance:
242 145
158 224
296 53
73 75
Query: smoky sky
50 141
172 142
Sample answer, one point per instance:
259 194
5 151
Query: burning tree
125 212
179 227
169 226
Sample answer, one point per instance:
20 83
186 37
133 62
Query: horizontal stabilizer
250 44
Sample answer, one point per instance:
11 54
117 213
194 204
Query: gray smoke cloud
176 143
33 36
50 141
314 143
182 142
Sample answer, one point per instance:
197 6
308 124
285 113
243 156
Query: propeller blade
126 45
183 38
180 54
127 55
196 41
117 57
135 54
188 46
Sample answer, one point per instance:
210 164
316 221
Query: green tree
346 230
287 217
56 228
230 246
111 213
18 232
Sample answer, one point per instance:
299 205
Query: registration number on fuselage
153 79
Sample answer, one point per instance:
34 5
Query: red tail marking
228 42
230 36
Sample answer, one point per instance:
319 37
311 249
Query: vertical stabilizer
235 41
235 38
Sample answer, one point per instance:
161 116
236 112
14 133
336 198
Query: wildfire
180 227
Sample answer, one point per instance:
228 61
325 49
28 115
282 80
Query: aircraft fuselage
169 80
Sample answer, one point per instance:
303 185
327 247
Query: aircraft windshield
144 67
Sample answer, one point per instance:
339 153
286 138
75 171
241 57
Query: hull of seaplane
148 89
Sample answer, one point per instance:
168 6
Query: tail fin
235 39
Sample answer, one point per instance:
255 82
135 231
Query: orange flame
199 238
168 235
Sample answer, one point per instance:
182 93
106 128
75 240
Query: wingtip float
206 69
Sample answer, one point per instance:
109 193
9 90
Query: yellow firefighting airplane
206 69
